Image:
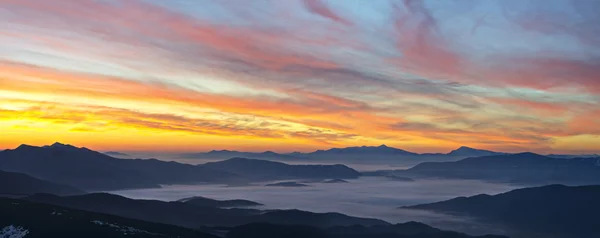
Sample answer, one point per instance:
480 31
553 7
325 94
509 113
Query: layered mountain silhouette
371 154
227 154
362 150
42 220
470 152
45 220
186 214
91 170
19 184
523 168
269 170
548 211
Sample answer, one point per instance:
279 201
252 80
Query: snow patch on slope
13 232
127 230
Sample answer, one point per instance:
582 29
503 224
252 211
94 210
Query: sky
300 75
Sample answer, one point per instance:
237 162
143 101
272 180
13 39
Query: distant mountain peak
382 149
60 146
25 146
469 151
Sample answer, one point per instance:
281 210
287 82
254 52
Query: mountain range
380 153
95 171
523 168
548 211
267 170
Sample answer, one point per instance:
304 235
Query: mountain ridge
556 209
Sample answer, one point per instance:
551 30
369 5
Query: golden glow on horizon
40 106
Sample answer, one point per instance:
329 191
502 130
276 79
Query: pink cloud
320 8
424 51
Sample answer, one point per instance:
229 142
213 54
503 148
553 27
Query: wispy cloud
311 73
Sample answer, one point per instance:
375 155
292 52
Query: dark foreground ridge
556 210
193 216
42 221
406 230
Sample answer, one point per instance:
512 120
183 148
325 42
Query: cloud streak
309 73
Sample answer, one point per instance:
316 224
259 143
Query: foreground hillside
406 230
549 211
31 220
189 214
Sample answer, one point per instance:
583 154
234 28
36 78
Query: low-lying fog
373 197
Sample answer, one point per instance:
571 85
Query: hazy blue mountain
207 202
42 220
549 211
523 168
470 152
192 216
270 170
359 154
19 184
91 170
370 150
227 154
406 230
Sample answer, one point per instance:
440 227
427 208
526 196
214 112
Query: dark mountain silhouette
382 150
363 154
115 154
19 184
287 184
43 220
470 152
192 216
207 202
549 211
91 170
269 170
523 168
406 230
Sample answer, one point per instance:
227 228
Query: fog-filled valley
219 197
372 197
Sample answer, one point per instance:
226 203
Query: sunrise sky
300 75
